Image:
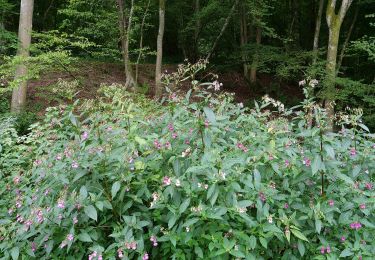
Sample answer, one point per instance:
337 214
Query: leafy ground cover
199 177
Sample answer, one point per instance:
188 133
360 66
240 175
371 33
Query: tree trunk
197 29
141 40
244 40
222 29
124 27
317 30
346 42
24 37
334 22
159 54
254 65
2 28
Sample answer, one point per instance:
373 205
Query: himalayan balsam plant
204 179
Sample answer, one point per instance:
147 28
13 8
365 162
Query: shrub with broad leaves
124 177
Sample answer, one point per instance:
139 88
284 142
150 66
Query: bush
188 180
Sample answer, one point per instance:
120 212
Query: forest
187 129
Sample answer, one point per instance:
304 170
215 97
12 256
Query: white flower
178 183
217 85
302 83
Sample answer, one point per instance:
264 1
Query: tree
24 37
254 65
225 25
125 28
317 30
334 22
159 54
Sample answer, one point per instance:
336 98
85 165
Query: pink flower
187 141
61 203
94 254
166 180
355 225
322 250
353 152
170 127
242 147
119 253
262 197
331 203
206 123
287 163
84 136
63 244
328 249
174 135
368 186
286 206
70 237
362 206
75 165
132 245
307 162
145 256
157 145
343 239
154 241
33 246
75 220
167 145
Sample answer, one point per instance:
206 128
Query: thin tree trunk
124 27
222 29
317 30
334 22
254 65
197 29
159 54
24 37
244 40
141 41
45 14
2 28
346 42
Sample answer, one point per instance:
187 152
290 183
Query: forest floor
92 74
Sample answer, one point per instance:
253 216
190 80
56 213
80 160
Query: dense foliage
199 177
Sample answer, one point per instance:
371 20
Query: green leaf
364 127
140 140
90 211
184 205
237 253
190 222
318 225
330 151
210 114
172 221
210 191
115 188
83 192
263 242
299 234
84 237
15 252
343 177
346 252
301 247
198 251
257 179
253 242
316 165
